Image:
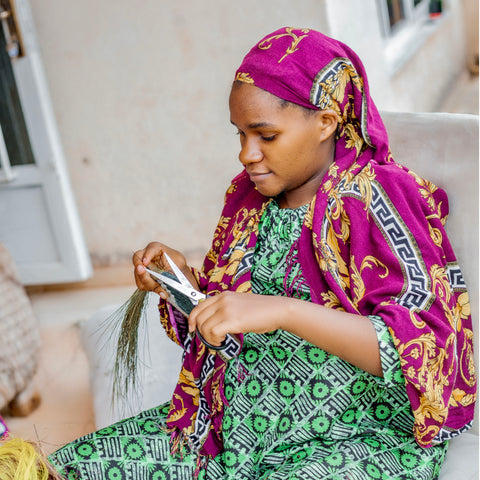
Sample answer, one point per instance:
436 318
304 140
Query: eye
268 138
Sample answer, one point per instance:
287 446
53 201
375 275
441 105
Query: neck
304 193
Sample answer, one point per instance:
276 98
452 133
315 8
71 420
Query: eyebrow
255 125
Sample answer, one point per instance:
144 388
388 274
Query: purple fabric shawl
3 429
373 243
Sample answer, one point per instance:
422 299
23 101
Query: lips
258 176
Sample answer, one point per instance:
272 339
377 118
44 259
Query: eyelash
265 139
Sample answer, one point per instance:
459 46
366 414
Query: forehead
250 103
245 96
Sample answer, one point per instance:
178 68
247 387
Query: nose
250 153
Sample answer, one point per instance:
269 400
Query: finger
153 251
220 346
192 318
212 333
209 321
146 256
144 281
137 257
142 278
200 309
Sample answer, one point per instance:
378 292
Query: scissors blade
177 272
194 295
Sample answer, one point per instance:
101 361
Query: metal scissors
181 293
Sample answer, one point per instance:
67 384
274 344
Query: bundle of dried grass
126 321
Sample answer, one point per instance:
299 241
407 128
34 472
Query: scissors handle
209 345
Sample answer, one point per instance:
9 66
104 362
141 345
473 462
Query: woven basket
19 333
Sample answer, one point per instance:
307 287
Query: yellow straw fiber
20 460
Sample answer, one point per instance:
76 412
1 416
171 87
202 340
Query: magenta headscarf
373 243
310 69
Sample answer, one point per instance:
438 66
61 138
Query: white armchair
444 149
440 147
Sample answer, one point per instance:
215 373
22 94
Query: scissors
181 293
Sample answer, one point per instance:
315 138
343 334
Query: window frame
413 14
39 221
404 38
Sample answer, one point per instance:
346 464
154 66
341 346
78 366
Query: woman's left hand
232 312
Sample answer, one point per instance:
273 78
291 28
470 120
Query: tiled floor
66 411
63 375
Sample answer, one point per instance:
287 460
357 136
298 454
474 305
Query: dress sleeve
389 357
392 259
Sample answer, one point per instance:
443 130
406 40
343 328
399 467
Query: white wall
140 94
429 58
357 24
427 77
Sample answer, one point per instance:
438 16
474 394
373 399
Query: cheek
300 153
293 154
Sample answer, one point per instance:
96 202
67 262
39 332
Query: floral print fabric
373 243
294 411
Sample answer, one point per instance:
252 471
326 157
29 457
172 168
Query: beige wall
140 95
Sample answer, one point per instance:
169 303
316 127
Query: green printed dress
294 411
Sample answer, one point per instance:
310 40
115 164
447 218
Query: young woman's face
285 150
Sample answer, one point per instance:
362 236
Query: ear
328 122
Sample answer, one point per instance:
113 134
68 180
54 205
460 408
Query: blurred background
115 132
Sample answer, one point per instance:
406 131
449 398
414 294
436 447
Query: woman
345 349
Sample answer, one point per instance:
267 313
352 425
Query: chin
268 190
268 193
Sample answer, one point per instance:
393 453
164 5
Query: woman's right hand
153 254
